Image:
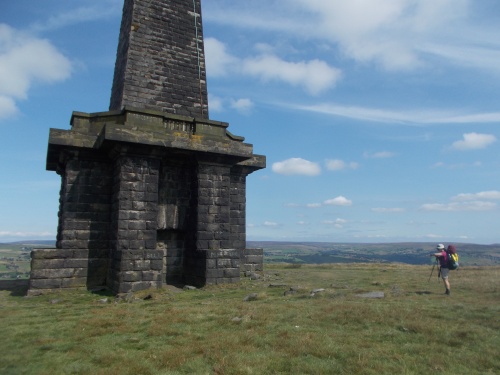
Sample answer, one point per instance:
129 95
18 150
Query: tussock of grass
412 330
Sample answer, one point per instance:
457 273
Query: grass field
414 329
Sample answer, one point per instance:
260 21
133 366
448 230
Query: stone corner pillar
136 264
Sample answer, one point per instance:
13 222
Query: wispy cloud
338 223
459 206
409 117
270 224
396 35
338 165
96 11
483 195
379 155
481 201
390 210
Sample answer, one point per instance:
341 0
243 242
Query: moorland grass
414 329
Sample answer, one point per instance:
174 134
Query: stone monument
152 192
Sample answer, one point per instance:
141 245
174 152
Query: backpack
452 262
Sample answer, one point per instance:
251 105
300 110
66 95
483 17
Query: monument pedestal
146 198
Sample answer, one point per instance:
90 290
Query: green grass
415 329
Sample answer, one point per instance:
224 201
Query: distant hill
331 252
31 242
22 245
404 252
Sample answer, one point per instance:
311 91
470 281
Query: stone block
76 263
142 265
141 285
254 259
42 264
231 272
52 273
45 283
74 282
157 265
150 276
51 253
130 276
253 251
224 263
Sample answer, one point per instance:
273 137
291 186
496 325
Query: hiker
442 256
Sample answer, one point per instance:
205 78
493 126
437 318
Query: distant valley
405 252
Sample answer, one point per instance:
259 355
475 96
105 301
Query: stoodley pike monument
153 192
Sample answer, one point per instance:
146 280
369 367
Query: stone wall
67 268
252 260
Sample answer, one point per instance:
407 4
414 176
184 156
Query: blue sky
380 120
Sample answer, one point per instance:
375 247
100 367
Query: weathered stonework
160 62
147 198
152 191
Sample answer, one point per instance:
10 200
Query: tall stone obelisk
160 62
152 191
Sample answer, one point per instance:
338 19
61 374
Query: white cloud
338 201
483 195
379 155
388 210
218 61
474 141
314 76
338 165
215 103
242 105
218 104
338 223
467 202
296 166
25 60
459 206
369 31
313 205
8 106
270 224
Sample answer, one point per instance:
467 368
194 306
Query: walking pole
434 266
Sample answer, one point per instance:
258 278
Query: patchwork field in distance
405 252
15 257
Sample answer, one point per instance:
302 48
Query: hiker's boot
447 292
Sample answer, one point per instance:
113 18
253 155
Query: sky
380 120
